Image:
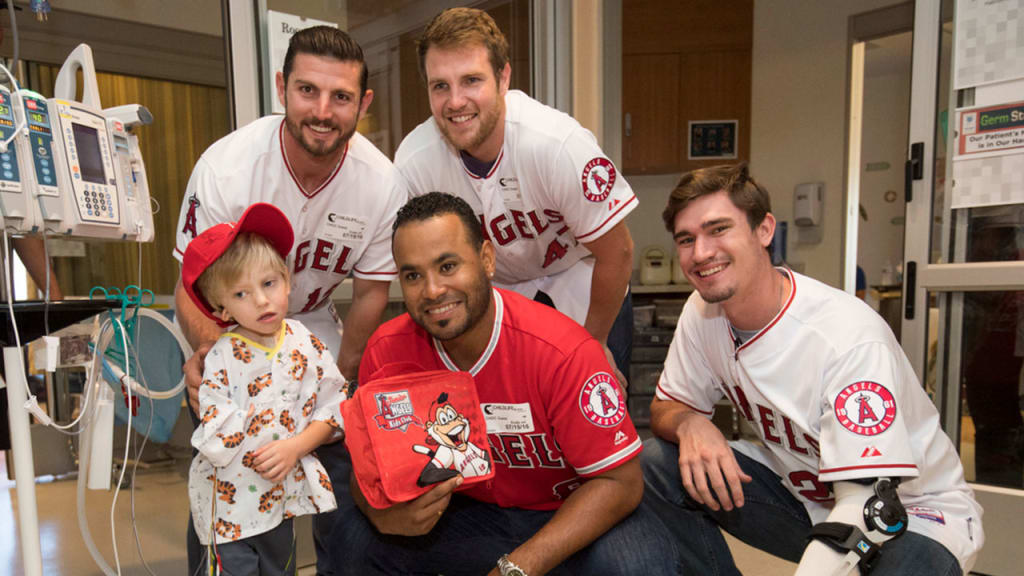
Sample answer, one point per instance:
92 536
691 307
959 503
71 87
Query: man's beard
488 122
477 299
718 295
318 149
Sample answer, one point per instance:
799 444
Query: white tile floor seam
161 513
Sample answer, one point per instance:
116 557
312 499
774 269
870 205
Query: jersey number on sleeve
556 250
808 486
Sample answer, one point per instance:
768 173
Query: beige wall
798 114
202 16
798 125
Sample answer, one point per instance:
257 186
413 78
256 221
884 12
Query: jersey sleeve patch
865 408
190 217
598 179
601 402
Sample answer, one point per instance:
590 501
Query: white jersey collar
789 301
288 165
499 313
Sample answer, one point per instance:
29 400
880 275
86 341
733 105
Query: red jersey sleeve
589 414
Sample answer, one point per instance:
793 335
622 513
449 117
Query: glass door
963 311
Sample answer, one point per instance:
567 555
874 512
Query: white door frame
948 280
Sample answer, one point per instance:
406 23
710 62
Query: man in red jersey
567 482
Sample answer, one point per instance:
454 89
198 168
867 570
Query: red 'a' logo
190 217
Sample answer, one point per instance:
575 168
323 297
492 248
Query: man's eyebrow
703 226
444 256
715 222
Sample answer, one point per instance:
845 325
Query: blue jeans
336 460
472 535
771 519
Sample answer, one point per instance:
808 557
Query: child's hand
248 415
275 460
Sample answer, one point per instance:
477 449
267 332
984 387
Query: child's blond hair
246 251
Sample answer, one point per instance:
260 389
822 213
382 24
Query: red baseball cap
263 219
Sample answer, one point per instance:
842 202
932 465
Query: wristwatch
508 568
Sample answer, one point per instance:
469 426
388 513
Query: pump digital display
5 110
37 117
87 142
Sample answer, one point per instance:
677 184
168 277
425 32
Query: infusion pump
17 204
81 172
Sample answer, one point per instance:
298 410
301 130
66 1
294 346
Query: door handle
913 169
911 288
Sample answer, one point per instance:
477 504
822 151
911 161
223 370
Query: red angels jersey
343 226
833 397
551 190
554 412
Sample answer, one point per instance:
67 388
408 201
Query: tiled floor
161 511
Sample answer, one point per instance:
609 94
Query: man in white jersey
820 377
339 192
547 197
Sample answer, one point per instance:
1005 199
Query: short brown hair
247 251
735 179
325 41
458 27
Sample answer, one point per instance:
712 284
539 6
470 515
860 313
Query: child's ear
223 314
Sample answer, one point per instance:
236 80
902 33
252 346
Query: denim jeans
472 535
771 519
336 461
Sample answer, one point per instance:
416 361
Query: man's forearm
613 265
607 289
33 255
369 298
666 415
197 328
590 511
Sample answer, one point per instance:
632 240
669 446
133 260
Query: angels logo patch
598 179
865 408
190 216
601 402
394 411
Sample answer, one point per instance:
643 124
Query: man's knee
640 544
660 462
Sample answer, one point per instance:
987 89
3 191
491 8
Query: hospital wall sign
991 129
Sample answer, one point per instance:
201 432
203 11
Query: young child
271 393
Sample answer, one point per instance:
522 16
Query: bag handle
395 369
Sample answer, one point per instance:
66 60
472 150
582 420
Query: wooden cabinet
683 61
650 132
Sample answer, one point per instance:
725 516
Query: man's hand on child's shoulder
193 369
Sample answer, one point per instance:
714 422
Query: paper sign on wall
988 164
280 28
991 129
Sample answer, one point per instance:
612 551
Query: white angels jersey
286 388
551 190
343 226
833 397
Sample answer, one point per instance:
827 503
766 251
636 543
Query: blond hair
247 251
458 27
